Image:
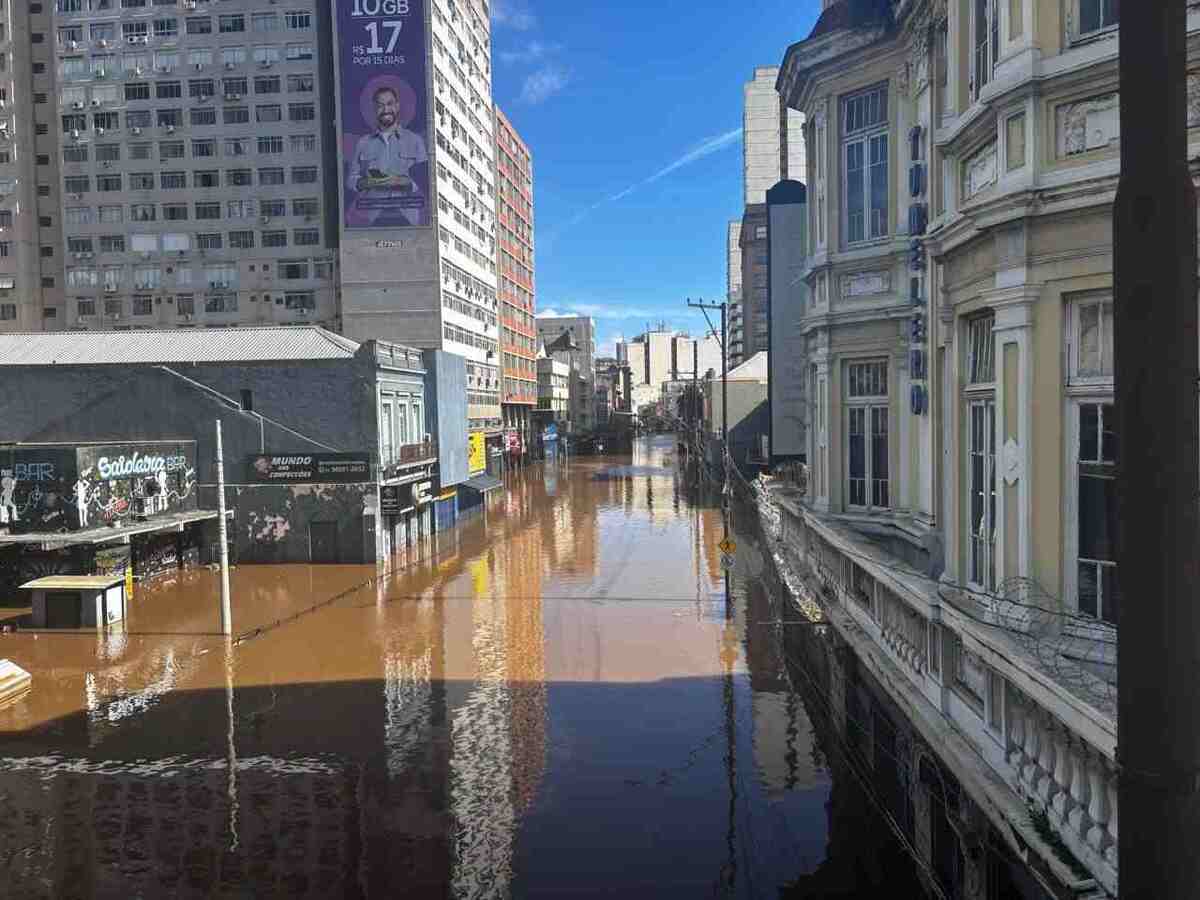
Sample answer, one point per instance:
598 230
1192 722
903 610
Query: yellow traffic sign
727 546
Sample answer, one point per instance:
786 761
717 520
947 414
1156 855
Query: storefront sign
476 453
395 499
309 468
137 464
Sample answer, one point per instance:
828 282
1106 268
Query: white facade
772 137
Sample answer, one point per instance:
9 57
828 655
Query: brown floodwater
558 698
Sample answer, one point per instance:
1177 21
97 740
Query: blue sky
633 113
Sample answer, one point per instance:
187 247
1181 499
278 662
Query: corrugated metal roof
183 345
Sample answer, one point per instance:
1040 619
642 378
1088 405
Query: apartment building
733 292
176 153
753 246
963 161
579 334
418 208
515 278
772 137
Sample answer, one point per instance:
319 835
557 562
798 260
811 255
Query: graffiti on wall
273 520
58 490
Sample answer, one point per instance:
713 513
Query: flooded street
556 699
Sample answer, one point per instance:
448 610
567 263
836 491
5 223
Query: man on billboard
390 166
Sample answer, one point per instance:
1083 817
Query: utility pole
226 614
724 339
1158 478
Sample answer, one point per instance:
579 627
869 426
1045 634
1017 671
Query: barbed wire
1076 651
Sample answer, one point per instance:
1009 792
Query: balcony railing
409 455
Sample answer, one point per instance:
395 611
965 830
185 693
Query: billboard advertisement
309 468
384 105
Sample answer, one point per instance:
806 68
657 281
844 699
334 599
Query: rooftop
187 345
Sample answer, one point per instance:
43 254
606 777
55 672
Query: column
1014 416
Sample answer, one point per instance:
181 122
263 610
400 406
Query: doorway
323 542
63 610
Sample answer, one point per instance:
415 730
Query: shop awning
116 534
483 483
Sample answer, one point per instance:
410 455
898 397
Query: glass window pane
879 456
1097 517
879 186
1088 587
1089 339
1089 432
857 457
1110 593
855 199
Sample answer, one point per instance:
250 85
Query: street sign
727 546
726 561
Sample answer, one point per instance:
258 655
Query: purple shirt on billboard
389 154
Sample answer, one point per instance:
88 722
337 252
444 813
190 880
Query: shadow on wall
324 523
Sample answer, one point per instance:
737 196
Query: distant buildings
573 340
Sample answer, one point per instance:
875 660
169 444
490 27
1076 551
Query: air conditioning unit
110 289
74 45
135 130
95 103
78 104
138 70
100 132
266 220
100 73
230 66
145 39
265 64
74 134
102 43
189 4
170 129
133 39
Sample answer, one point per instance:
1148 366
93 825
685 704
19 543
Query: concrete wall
787 258
446 413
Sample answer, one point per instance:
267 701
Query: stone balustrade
903 629
1072 782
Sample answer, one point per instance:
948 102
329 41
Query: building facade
581 333
755 289
733 292
772 137
515 278
963 162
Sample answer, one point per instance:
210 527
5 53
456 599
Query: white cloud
514 14
532 52
548 313
543 84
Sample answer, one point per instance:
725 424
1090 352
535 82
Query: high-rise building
165 166
515 278
733 293
753 239
418 210
182 166
772 137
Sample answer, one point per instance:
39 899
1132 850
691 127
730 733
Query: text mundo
369 8
137 464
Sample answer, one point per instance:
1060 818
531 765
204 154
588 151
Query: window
143 305
300 84
138 90
206 178
300 300
1097 14
298 20
166 28
238 178
75 153
74 122
233 56
173 181
304 175
231 24
112 215
106 120
76 184
203 115
81 279
113 307
236 115
175 212
209 241
202 149
274 239
199 25
84 308
108 152
241 240
266 53
385 431
271 113
270 176
269 84
867 434
143 212
1097 526
237 146
304 143
865 119
273 207
169 118
8 312
185 305
981 453
240 209
299 51
208 210
307 237
305 206
301 112
199 88
263 22
200 56
222 303
1091 341
293 270
170 150
270 145
985 31
112 243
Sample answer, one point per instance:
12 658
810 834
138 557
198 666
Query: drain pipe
226 614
